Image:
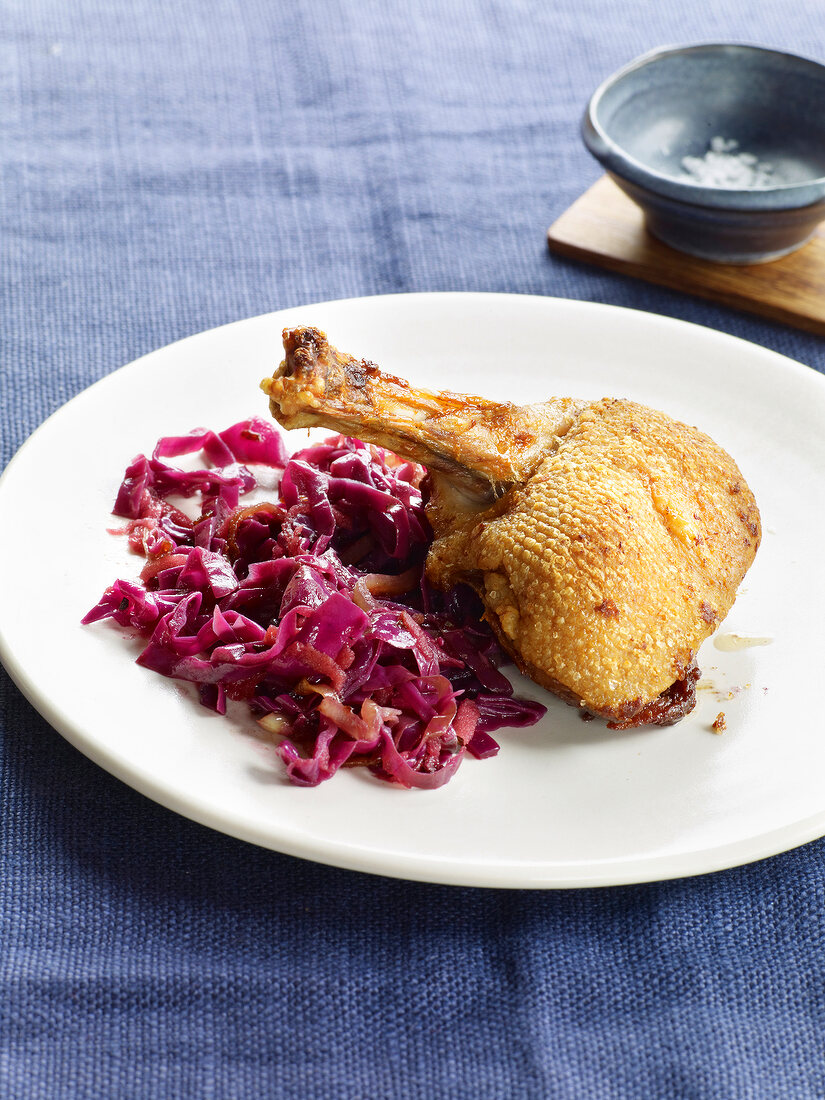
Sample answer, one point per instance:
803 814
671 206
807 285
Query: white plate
565 803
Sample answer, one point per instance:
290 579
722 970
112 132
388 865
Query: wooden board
604 227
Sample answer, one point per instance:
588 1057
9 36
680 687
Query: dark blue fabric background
165 168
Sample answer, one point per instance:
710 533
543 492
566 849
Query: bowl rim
618 161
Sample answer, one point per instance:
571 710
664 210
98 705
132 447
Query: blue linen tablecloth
167 168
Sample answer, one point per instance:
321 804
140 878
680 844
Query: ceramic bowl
721 145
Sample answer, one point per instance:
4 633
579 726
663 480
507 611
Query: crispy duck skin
606 539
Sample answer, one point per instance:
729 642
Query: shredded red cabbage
311 608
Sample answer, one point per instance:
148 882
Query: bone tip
303 336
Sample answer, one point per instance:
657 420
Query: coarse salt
724 165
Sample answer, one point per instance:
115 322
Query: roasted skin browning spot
707 612
608 608
543 509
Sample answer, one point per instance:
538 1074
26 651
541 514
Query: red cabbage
313 608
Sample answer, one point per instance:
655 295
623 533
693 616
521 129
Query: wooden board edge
765 310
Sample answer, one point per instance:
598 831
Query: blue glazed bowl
721 145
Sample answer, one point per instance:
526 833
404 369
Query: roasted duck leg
606 540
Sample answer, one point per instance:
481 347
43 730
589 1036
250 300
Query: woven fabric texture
165 168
